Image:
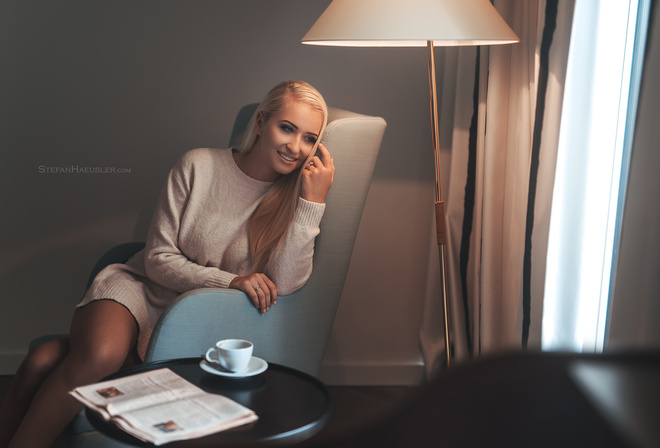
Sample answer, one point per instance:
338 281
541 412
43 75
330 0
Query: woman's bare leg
103 336
36 367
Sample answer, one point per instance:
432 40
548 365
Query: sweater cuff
221 279
309 213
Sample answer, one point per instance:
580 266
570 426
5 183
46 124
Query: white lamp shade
409 23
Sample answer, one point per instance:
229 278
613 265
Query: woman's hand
259 288
317 176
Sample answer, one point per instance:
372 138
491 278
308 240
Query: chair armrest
201 317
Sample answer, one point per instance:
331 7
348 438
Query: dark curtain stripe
468 205
546 42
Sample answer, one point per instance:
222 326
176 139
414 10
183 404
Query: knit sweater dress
198 239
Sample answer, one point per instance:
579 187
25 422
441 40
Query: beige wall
132 85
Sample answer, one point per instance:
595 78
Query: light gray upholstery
295 332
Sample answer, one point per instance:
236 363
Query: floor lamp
415 23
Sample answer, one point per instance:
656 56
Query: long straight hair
273 216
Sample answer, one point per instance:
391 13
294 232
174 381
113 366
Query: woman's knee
109 356
42 360
93 362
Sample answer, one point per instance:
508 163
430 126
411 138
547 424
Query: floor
353 408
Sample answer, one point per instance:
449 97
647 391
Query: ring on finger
257 289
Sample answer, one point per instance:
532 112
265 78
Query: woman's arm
164 261
291 266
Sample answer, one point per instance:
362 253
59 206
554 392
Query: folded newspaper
161 407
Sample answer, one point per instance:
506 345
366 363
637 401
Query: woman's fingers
318 176
271 288
324 160
264 290
325 155
259 288
263 295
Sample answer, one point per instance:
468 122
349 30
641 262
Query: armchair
296 331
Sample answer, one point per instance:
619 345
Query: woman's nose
295 143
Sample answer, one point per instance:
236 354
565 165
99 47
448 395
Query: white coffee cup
231 354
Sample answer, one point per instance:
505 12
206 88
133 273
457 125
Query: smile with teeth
286 157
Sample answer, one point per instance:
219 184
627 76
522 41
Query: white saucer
255 367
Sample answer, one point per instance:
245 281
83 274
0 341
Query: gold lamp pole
440 230
415 23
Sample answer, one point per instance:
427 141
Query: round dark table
292 406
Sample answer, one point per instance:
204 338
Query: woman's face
286 139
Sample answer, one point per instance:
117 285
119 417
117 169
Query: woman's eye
286 128
311 139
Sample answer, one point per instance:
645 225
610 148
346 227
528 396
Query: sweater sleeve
291 265
165 263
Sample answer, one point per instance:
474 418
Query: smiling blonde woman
244 219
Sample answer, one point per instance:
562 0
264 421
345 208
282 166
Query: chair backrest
296 332
354 141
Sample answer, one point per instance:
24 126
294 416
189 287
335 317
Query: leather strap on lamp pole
440 229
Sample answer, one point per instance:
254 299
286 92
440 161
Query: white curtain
635 308
500 110
597 132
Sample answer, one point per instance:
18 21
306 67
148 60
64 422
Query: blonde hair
273 216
